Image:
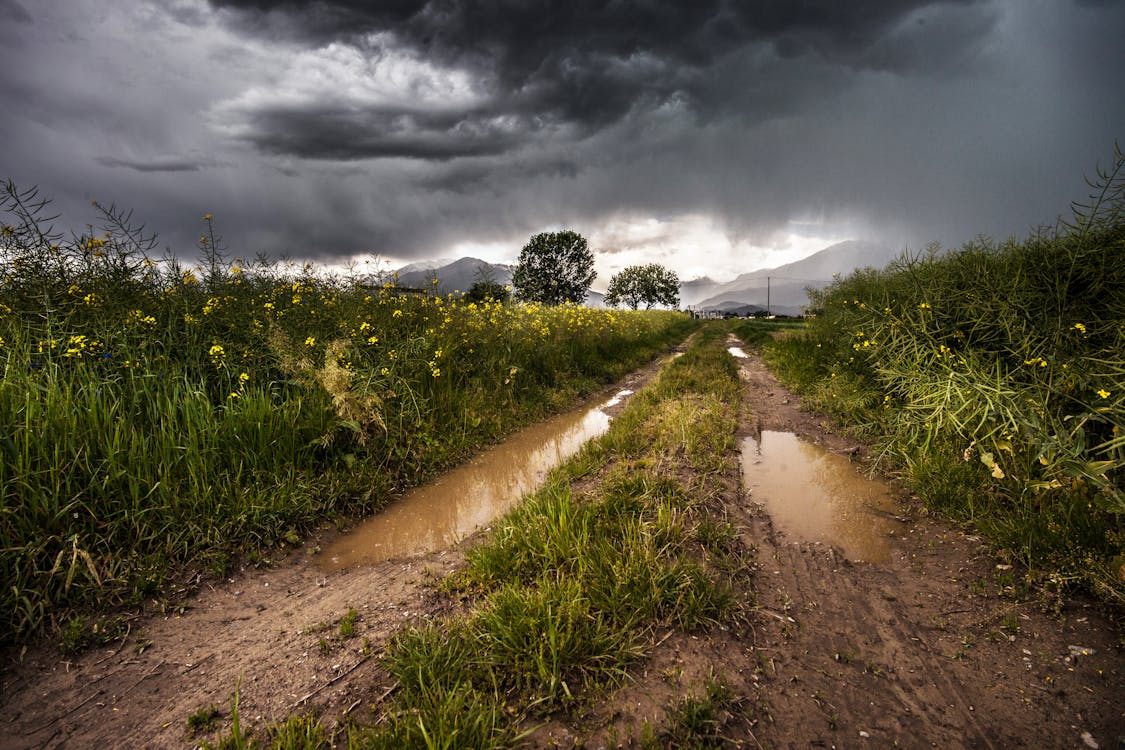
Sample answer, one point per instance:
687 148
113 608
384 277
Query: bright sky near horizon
716 136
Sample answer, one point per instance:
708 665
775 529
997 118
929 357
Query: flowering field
159 418
994 377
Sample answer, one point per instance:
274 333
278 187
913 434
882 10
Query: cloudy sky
715 136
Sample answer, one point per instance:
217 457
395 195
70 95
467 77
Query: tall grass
995 376
156 417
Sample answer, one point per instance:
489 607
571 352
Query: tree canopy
650 284
554 267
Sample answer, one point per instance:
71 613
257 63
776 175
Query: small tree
651 284
486 288
554 267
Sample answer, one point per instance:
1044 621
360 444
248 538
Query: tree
486 288
651 284
554 267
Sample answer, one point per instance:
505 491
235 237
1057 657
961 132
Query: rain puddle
440 514
815 495
738 352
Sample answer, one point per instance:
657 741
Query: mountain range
781 290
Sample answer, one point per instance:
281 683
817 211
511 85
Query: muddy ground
926 649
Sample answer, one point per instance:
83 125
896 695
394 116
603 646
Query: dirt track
910 652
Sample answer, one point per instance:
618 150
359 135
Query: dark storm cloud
325 129
159 164
573 68
12 12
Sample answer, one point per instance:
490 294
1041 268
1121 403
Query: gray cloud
570 69
326 129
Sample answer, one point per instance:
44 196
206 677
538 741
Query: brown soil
919 651
911 652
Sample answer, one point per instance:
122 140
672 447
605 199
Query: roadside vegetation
993 377
159 418
575 587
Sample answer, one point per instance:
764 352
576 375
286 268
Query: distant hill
783 288
460 275
455 276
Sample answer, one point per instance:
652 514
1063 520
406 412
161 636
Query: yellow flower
396 314
384 371
1103 393
924 306
216 350
310 341
373 340
243 377
207 217
1080 327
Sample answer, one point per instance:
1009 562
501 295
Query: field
175 439
161 420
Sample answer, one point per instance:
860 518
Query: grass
160 419
993 378
570 587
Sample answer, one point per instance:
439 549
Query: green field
160 419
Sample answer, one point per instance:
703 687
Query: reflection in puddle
816 495
737 351
441 513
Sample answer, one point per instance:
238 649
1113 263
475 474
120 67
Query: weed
203 720
347 623
696 722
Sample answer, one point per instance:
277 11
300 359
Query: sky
713 136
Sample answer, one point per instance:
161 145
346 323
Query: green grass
569 589
993 377
159 419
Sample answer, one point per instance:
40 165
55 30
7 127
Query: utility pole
767 296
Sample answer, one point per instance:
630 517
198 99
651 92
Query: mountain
782 289
460 275
425 265
455 276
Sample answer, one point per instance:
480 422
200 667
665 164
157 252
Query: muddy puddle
815 495
442 513
738 352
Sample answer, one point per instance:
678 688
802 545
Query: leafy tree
651 284
554 267
487 288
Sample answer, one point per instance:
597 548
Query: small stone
863 734
1089 741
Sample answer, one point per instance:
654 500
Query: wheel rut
917 651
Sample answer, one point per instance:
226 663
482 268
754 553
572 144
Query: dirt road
923 650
